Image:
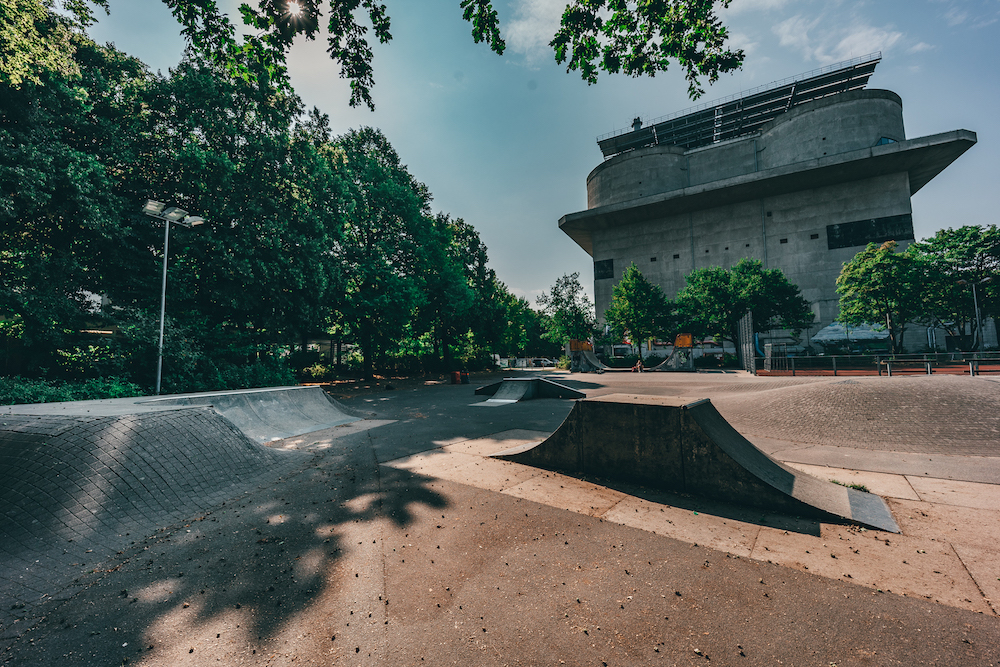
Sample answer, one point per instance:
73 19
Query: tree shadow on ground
247 566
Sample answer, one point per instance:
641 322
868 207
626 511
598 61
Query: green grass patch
858 487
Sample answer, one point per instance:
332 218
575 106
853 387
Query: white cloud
955 16
919 47
534 24
833 44
739 40
794 32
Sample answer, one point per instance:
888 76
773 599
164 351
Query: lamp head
174 214
152 207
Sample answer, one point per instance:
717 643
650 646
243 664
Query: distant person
638 368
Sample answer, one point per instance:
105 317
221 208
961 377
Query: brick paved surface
76 491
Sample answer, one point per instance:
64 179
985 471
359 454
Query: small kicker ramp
274 413
512 390
686 446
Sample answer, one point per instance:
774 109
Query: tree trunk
447 352
367 351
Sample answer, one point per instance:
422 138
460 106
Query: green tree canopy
638 311
880 286
629 37
715 299
950 262
569 311
385 228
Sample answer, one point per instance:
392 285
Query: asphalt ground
396 542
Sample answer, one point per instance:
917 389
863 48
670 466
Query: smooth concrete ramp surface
512 390
274 413
685 445
591 358
77 490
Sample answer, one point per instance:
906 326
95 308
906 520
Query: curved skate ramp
512 390
76 490
592 359
685 445
268 414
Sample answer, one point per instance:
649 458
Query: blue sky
506 142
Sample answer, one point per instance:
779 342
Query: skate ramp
77 490
686 446
591 358
268 414
512 390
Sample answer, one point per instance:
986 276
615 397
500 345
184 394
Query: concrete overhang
922 158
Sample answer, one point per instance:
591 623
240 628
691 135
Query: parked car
541 362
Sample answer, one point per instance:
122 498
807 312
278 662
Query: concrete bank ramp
592 359
685 445
264 415
75 490
512 390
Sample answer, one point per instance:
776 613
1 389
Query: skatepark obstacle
274 413
512 390
684 445
77 489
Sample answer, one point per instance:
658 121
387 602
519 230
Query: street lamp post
975 302
171 215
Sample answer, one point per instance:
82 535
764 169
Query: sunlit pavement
401 542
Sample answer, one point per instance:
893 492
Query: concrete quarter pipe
685 445
268 414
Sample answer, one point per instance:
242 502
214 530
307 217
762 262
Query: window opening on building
604 269
652 259
677 256
875 230
885 140
783 241
814 236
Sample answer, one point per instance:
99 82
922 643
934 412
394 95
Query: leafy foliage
643 38
882 286
638 311
715 299
633 38
569 311
949 263
308 235
15 390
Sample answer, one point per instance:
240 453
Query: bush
564 363
481 361
15 389
265 372
315 373
653 360
707 361
621 362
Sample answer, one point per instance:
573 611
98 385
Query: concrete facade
802 194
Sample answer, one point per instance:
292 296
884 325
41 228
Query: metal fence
941 363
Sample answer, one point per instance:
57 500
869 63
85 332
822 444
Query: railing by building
941 363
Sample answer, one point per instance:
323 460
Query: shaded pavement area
397 542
